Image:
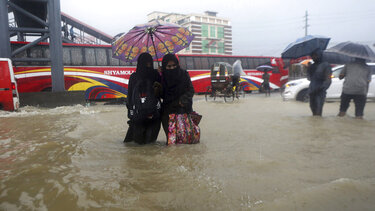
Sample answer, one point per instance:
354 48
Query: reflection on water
255 154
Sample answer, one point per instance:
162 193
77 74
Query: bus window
244 63
266 61
211 61
258 62
101 57
197 63
77 58
250 63
189 63
66 56
113 61
224 59
205 64
218 59
90 56
182 60
232 60
36 52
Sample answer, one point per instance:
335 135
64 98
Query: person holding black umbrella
319 75
357 78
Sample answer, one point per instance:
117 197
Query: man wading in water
319 75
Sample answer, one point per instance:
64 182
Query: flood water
256 153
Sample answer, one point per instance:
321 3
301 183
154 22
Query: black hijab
175 81
145 65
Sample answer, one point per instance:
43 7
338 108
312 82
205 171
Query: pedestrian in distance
319 75
357 79
266 83
143 102
178 90
72 35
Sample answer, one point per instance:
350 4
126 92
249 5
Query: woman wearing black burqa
147 131
178 90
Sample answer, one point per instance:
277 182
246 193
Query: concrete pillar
57 65
5 50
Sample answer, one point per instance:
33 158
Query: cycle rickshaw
223 83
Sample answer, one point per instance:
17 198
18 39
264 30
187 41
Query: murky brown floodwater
255 154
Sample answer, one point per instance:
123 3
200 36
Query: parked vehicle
298 89
9 99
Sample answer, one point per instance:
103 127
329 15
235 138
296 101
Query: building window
197 18
204 20
218 21
220 47
167 20
213 47
220 32
204 30
213 31
204 46
212 20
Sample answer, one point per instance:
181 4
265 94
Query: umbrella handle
153 44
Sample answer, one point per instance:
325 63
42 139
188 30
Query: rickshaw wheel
229 95
240 92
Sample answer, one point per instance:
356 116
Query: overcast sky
260 27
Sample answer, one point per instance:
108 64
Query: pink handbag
182 130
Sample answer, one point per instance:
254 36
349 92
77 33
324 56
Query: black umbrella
355 50
304 46
336 58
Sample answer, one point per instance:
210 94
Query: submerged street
256 153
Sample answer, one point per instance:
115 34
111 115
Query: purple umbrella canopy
164 37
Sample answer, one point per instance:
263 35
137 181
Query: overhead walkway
82 32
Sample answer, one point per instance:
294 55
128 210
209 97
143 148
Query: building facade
213 35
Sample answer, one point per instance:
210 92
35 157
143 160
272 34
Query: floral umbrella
164 37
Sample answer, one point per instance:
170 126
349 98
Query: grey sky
260 27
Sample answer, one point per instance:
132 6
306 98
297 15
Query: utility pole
306 22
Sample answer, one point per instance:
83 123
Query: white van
9 98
